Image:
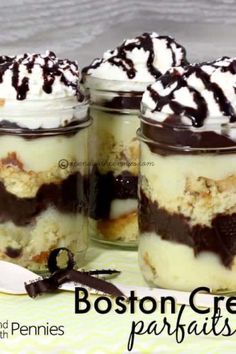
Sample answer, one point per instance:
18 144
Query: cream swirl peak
38 76
200 94
141 59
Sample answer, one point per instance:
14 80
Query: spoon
14 277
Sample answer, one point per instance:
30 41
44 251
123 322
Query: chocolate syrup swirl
197 116
120 59
120 56
195 80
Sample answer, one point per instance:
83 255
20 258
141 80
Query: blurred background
83 29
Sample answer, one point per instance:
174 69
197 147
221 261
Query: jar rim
12 103
121 111
186 149
24 131
217 122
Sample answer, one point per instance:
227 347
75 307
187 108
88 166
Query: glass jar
187 205
114 160
43 183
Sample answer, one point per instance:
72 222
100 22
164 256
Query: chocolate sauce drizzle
68 196
119 56
60 276
52 68
180 80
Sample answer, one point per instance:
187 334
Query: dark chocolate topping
22 88
220 238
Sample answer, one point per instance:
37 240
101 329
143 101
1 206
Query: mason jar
187 204
43 182
114 162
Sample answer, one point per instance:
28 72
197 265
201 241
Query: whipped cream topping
199 95
140 60
38 76
38 90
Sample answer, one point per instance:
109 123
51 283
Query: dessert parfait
116 83
187 196
43 139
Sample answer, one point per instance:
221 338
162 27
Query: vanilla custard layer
113 144
173 265
198 186
41 153
120 207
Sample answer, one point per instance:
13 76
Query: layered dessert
43 120
187 210
116 83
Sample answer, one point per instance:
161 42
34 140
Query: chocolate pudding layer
66 196
105 188
187 190
174 139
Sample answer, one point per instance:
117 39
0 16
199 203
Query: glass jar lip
23 131
112 111
184 148
115 85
